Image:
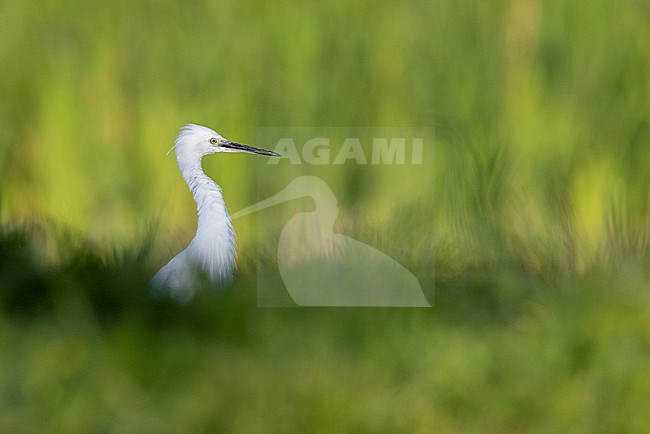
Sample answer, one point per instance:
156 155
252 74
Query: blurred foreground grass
85 348
538 203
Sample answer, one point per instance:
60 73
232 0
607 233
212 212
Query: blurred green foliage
539 202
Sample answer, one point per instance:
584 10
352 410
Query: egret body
212 251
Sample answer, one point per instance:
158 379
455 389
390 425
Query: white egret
212 251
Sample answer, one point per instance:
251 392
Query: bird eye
214 141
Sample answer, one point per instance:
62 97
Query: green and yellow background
534 221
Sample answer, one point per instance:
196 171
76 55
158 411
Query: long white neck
213 247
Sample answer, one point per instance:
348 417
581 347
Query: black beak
238 147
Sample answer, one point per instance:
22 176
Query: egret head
195 141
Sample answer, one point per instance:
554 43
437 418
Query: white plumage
212 251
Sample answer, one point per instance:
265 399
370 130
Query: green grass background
538 212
